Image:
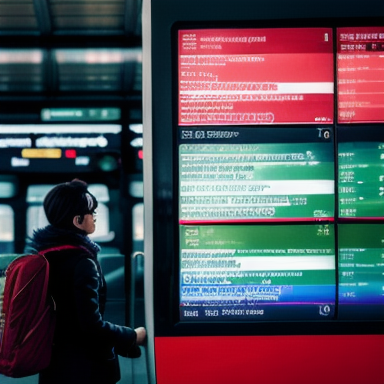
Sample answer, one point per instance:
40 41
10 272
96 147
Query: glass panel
102 233
138 222
7 232
136 189
17 15
88 15
35 219
100 191
8 186
21 69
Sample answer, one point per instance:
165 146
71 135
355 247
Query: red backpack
27 314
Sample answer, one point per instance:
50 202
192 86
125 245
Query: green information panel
361 271
258 272
361 179
243 182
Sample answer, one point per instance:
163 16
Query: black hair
67 200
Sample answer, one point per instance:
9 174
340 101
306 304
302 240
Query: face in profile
89 223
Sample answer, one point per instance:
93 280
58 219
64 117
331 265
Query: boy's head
68 200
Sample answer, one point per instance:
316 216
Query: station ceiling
61 48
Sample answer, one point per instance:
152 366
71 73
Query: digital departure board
361 271
360 74
263 174
60 147
361 180
265 191
279 272
257 189
361 172
256 76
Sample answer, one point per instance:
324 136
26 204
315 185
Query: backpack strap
61 248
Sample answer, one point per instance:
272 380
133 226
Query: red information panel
256 76
360 74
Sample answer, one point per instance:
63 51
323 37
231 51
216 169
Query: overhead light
21 56
136 128
137 143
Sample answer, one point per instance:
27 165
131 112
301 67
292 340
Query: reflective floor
133 371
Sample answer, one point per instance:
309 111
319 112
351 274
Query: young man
85 345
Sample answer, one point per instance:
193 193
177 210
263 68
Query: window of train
8 190
36 217
138 223
136 191
7 232
137 288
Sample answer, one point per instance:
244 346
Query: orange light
41 153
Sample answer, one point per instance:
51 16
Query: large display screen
59 147
255 76
280 211
360 74
361 271
361 172
275 272
260 174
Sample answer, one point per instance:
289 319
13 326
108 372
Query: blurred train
253 135
71 107
95 145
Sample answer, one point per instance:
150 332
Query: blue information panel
256 273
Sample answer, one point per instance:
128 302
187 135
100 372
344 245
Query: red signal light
70 153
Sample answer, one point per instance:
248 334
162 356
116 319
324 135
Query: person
85 345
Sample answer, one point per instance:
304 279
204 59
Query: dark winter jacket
85 346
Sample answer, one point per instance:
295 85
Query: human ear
78 222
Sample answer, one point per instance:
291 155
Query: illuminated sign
80 114
246 175
361 271
60 147
360 74
256 76
257 273
51 153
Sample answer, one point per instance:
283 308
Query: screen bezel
166 312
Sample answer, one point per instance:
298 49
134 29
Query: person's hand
141 335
